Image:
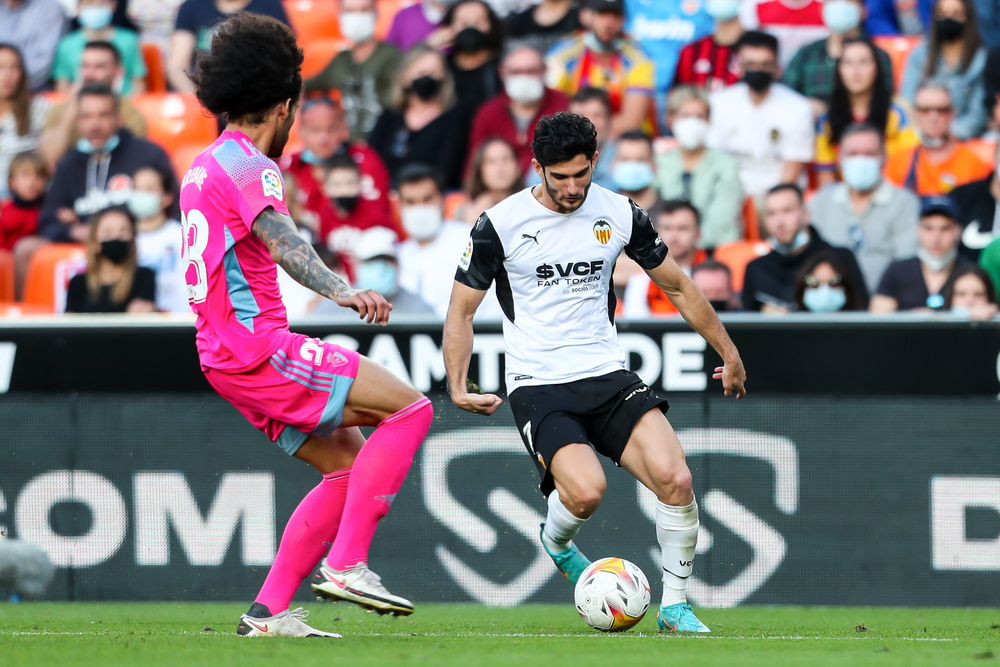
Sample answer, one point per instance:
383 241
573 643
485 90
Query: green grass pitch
149 634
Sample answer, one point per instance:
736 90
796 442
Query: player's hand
733 377
481 404
369 304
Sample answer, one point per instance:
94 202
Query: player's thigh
654 456
376 394
578 476
332 452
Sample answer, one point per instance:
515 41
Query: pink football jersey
231 279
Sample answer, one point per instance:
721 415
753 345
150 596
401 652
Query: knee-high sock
561 525
677 533
312 527
377 476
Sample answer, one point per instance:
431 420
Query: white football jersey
553 280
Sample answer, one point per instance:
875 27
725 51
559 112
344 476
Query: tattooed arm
292 253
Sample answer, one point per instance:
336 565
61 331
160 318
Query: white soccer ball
612 595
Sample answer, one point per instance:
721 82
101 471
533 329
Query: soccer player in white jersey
551 250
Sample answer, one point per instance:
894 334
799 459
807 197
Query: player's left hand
369 304
733 377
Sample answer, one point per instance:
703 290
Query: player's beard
280 138
556 197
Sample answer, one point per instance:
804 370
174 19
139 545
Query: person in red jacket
27 178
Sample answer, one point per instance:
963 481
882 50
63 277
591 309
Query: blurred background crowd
812 156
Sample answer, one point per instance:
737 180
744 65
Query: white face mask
144 204
936 262
422 222
690 132
723 10
357 26
524 88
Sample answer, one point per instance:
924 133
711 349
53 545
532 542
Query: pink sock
378 474
311 528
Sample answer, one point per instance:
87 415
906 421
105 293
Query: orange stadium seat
317 54
452 202
737 255
19 308
182 156
985 149
176 118
6 275
313 20
53 97
387 10
898 47
156 69
49 272
751 219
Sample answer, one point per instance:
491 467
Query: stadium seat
156 69
6 275
751 219
49 272
387 10
898 47
984 148
737 255
19 308
452 202
53 97
175 118
182 156
313 20
317 54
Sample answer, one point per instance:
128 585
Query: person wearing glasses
824 285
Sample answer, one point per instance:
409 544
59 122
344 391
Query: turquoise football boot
571 562
679 618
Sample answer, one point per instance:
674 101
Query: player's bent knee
582 500
672 482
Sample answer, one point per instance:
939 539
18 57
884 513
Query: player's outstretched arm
292 253
698 312
457 349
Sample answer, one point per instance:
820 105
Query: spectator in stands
677 222
364 73
814 68
474 58
633 172
513 114
769 283
765 124
33 27
544 24
953 55
941 162
418 23
196 21
325 136
495 174
95 26
991 92
989 260
113 282
971 294
595 105
899 17
604 57
710 62
860 95
715 281
159 236
824 284
99 64
918 283
866 213
794 24
979 214
27 179
21 114
154 20
423 124
709 178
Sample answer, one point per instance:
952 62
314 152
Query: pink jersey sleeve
257 179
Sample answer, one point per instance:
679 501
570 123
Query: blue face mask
841 16
632 176
723 10
378 275
95 18
824 299
861 172
311 158
84 145
591 42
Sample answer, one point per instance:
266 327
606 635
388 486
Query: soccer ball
612 595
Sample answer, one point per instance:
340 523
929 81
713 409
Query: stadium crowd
809 156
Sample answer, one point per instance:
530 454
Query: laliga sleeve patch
465 261
271 182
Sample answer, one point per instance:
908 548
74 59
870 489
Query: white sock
677 533
560 525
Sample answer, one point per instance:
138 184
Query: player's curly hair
562 136
254 63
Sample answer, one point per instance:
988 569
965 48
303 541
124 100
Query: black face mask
759 80
347 203
25 203
115 250
719 306
469 40
426 87
948 30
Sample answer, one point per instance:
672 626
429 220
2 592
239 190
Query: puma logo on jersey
529 236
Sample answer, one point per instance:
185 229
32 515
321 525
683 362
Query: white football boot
360 586
286 624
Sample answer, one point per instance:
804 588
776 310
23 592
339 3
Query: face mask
934 142
84 145
824 299
115 250
524 88
95 18
798 243
841 16
357 26
144 204
690 132
758 80
861 172
936 262
591 42
347 203
432 12
378 275
422 222
723 10
719 306
948 30
469 40
632 176
311 158
426 88
960 311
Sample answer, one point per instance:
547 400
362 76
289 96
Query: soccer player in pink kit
307 395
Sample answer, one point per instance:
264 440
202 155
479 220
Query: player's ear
593 161
537 166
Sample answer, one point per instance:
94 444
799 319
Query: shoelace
369 576
299 614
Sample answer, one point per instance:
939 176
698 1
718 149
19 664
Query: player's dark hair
253 64
416 172
712 265
99 90
590 93
562 136
673 205
757 38
102 45
344 161
787 187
